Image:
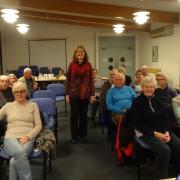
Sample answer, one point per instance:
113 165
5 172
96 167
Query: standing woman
79 91
24 124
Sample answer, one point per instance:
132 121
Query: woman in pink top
24 124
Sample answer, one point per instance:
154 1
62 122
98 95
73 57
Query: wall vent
162 31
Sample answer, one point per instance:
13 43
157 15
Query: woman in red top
79 91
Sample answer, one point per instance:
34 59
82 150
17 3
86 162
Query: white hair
162 74
148 80
27 70
17 86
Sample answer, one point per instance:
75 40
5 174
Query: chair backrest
55 70
57 88
34 69
44 94
46 105
44 70
21 71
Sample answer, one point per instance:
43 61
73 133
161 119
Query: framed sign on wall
154 53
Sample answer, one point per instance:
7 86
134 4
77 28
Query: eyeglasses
19 92
159 79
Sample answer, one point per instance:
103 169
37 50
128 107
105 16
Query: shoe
73 141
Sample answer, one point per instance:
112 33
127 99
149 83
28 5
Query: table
44 82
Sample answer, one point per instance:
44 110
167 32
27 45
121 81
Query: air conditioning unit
162 31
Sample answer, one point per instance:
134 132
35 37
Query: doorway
114 51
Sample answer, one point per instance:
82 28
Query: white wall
15 46
168 54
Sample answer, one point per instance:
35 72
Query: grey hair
12 75
148 79
27 70
19 86
162 74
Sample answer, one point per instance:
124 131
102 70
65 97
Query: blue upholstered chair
55 70
44 70
35 154
48 94
34 69
48 107
21 71
59 90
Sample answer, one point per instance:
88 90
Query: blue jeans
19 167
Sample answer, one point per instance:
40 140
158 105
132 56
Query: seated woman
24 124
153 126
98 84
136 85
12 79
119 100
120 97
165 94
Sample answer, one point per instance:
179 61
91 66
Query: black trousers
164 151
79 109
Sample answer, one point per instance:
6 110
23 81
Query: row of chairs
36 70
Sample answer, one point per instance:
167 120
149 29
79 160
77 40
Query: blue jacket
120 99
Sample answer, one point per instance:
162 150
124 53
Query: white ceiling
164 5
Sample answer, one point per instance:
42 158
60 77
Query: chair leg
138 162
65 103
44 165
50 164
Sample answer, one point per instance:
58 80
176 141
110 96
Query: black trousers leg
163 154
83 109
75 106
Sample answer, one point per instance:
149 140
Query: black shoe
73 141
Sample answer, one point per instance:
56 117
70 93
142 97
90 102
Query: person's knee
20 156
165 151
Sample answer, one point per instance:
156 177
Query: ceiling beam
104 23
95 9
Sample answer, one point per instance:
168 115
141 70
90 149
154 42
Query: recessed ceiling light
10 15
22 28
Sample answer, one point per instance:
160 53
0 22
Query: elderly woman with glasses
165 94
153 126
24 124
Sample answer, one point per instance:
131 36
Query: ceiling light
118 28
22 28
141 17
10 15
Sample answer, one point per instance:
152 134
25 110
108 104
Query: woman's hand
67 98
92 99
163 137
23 139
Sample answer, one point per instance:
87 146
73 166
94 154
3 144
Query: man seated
6 95
29 80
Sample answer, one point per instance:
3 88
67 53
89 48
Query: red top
80 80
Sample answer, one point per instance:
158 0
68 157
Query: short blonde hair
17 86
121 69
148 80
162 74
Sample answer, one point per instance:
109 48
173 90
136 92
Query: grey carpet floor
91 161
